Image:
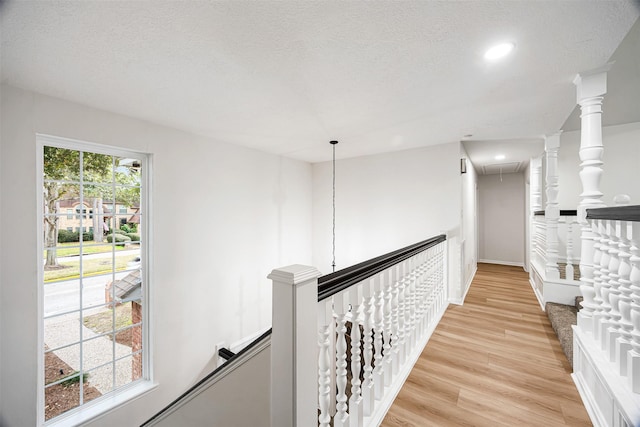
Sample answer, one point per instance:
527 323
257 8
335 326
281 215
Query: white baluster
355 401
402 270
378 370
633 357
623 344
569 271
386 315
325 318
613 325
341 419
605 285
407 306
395 348
599 275
368 395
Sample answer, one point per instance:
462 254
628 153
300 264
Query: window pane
61 363
96 352
101 379
128 369
62 330
61 297
60 398
97 167
128 171
61 164
98 321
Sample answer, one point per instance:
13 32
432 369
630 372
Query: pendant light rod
333 263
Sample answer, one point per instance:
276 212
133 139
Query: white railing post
591 88
552 212
294 354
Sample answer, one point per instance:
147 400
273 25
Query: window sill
103 406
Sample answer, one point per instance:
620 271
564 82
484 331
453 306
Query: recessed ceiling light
499 51
500 157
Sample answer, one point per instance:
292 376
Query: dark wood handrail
616 213
563 212
333 283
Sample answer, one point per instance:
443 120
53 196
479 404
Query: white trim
467 287
491 261
92 411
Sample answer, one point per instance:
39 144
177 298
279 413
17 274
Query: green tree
62 170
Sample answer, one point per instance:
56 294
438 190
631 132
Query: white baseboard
492 261
466 288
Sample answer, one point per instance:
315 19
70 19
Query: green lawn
72 249
90 267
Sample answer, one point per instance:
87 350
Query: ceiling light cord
333 252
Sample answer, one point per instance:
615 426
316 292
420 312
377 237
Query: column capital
592 83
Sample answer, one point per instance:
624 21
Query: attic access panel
496 168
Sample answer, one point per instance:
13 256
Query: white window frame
110 401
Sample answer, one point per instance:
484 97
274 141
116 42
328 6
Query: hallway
493 361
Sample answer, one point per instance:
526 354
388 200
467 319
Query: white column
551 211
294 348
591 88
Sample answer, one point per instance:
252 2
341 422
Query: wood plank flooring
495 361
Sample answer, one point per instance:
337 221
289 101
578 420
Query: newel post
294 348
591 88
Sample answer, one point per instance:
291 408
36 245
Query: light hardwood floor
493 361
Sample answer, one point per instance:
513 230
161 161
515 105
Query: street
62 297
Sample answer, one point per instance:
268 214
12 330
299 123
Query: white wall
502 218
469 223
621 165
230 401
223 217
385 202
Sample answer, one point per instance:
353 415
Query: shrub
66 236
133 236
119 239
126 229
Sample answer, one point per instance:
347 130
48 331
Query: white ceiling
286 77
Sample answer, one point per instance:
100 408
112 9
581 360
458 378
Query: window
122 209
94 318
69 213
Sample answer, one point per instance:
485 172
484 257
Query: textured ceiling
286 77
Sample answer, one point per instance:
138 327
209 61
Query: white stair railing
607 337
371 321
